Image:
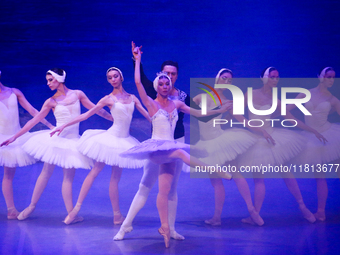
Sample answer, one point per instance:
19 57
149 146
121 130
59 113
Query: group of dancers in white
163 155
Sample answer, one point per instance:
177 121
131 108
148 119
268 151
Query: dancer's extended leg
322 193
66 188
219 201
173 200
293 187
39 187
150 175
7 190
114 195
87 184
165 178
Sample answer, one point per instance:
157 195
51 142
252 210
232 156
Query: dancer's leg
66 188
165 178
219 201
173 200
150 175
114 194
193 161
293 187
39 187
7 190
322 193
87 184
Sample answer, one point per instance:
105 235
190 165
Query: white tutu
316 152
60 150
56 150
12 155
288 144
102 146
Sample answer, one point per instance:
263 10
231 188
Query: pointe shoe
256 218
166 236
176 236
12 213
26 212
121 233
307 214
320 216
118 219
213 222
248 220
225 175
77 219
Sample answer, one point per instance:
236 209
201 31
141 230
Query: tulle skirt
13 155
316 152
227 146
288 144
102 146
57 150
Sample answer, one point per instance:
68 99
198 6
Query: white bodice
9 115
122 115
267 124
163 124
319 118
66 113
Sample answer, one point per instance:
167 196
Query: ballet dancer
288 144
59 150
321 104
150 170
13 155
223 146
104 146
161 149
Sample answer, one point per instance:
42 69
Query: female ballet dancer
223 146
150 170
320 105
161 149
288 144
59 150
104 146
13 155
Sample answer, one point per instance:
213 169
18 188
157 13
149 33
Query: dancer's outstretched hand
321 137
268 137
136 51
57 130
8 141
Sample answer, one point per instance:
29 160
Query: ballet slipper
213 222
121 233
72 216
118 219
256 218
225 175
26 212
76 219
248 220
176 236
166 236
307 214
321 216
12 213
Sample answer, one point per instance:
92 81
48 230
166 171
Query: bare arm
48 105
29 108
146 100
181 106
99 106
141 109
89 105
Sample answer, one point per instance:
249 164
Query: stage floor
285 230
